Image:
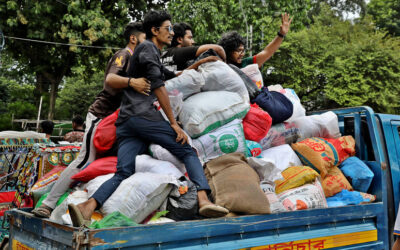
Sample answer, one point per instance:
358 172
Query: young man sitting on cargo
182 49
233 44
141 123
106 102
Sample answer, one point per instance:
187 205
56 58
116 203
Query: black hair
152 19
231 41
78 120
180 31
133 28
47 127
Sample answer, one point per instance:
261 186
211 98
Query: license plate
322 242
16 245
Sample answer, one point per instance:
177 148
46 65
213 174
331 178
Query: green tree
335 63
340 7
16 98
77 95
211 18
77 22
386 14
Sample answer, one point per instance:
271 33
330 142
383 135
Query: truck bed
350 227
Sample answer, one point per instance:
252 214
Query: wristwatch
280 35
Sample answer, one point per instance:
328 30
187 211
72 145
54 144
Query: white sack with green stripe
207 111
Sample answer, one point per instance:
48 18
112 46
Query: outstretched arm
273 46
163 99
140 85
220 51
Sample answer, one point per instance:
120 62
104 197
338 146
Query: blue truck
367 226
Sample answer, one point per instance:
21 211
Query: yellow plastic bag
295 177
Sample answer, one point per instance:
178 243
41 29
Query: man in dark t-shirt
106 102
182 50
141 123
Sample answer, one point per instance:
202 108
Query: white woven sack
282 156
188 83
325 125
139 195
227 139
207 111
219 76
146 163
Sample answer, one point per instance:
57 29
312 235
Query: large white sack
282 156
146 163
219 76
139 195
226 139
207 111
188 83
325 125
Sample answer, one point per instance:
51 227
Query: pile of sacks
260 151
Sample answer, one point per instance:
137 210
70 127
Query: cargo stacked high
290 181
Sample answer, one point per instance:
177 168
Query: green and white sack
207 111
227 139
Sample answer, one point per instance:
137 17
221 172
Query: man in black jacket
140 123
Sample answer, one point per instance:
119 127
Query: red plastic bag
256 124
106 133
102 166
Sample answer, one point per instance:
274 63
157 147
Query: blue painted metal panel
244 225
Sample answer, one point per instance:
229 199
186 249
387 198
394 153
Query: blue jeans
134 136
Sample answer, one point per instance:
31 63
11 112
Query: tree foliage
211 18
16 97
76 22
386 14
341 8
77 95
335 63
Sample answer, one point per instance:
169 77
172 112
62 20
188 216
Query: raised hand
286 21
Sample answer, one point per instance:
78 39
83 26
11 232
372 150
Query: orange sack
324 154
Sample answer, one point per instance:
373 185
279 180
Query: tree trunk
53 96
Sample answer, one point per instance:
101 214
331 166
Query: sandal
77 217
43 211
213 211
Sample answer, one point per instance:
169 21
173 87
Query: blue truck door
394 158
